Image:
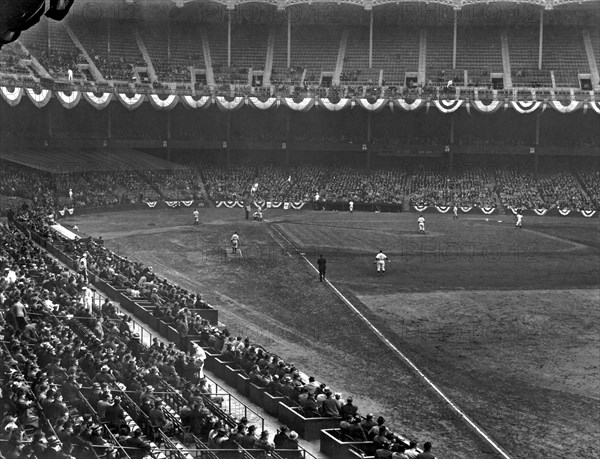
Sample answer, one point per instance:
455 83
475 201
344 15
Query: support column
541 47
371 39
228 135
168 136
169 40
228 38
369 128
451 130
454 39
537 143
289 41
287 136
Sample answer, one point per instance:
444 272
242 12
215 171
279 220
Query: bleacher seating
564 53
479 51
523 43
396 51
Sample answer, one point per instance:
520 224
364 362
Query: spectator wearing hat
264 443
103 404
381 438
355 430
281 437
158 418
349 409
250 438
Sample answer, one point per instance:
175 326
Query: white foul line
387 342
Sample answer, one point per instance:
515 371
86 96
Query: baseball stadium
299 229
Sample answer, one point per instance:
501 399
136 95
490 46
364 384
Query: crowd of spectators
169 71
77 382
58 63
558 190
471 187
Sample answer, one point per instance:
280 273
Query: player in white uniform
519 223
235 242
351 206
421 222
380 260
455 210
196 216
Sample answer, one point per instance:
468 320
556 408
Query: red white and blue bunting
564 212
376 106
12 97
540 212
343 103
255 102
151 204
442 209
187 203
588 213
526 106
488 210
420 208
68 100
229 105
448 106
189 102
570 108
273 205
415 105
41 97
131 103
303 106
492 107
98 102
229 204
164 104
172 203
466 209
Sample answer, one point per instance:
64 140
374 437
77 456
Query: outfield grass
504 321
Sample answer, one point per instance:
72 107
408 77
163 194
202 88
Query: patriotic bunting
588 213
540 212
376 106
225 105
13 97
187 203
442 209
151 204
164 104
68 101
420 208
416 104
71 210
275 205
303 106
98 102
257 103
189 102
39 100
488 210
343 103
297 205
448 106
559 107
564 212
131 103
62 212
492 107
172 203
466 209
526 106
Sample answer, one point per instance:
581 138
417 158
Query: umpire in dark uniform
322 262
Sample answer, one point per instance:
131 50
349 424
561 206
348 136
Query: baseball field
504 322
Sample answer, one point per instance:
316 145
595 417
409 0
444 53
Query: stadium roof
369 4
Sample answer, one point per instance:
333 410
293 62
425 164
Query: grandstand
298 110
